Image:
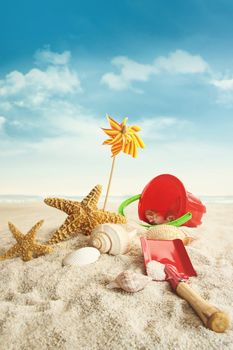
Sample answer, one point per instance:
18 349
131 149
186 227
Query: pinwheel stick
109 182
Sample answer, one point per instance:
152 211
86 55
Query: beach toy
165 232
112 238
212 317
130 281
82 256
168 252
178 268
167 195
121 138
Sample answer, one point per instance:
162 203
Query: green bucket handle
178 222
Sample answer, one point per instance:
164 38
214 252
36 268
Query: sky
167 66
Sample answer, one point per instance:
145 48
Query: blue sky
168 66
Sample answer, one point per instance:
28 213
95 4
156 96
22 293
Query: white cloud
53 80
38 85
181 62
178 62
49 57
2 122
224 88
223 84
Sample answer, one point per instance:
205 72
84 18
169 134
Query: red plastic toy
167 194
170 252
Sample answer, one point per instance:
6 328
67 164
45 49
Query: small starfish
83 216
26 246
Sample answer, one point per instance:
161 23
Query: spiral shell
111 238
130 281
164 232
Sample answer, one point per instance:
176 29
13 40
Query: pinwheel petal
114 124
135 128
107 142
140 141
116 139
135 140
116 149
124 122
126 148
110 132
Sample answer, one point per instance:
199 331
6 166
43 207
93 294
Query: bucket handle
178 222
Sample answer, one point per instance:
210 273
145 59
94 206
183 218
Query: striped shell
130 281
112 238
164 232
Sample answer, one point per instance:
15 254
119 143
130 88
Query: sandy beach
46 306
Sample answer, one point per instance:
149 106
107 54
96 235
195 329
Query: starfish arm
106 216
12 252
32 233
63 204
69 228
26 254
41 249
15 232
93 197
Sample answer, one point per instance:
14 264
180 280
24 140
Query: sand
46 306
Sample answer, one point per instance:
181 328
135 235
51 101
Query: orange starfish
26 246
83 216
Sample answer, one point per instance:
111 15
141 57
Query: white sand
46 306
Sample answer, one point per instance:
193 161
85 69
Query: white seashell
111 238
82 256
155 270
130 281
169 232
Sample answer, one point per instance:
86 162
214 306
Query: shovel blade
170 252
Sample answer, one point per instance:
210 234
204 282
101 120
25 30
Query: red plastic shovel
178 269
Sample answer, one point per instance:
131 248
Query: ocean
115 199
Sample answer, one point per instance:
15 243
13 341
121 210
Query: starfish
26 246
83 216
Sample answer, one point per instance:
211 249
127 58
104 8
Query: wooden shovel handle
212 317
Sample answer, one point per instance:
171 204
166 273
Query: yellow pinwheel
123 138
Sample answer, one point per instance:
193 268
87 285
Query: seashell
82 256
111 238
154 217
130 281
155 270
168 232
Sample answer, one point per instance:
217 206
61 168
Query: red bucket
166 194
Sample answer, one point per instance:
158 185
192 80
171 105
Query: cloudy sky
167 66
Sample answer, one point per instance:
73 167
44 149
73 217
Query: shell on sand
111 238
82 256
169 232
130 281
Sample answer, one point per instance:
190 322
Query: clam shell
130 281
164 232
82 256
